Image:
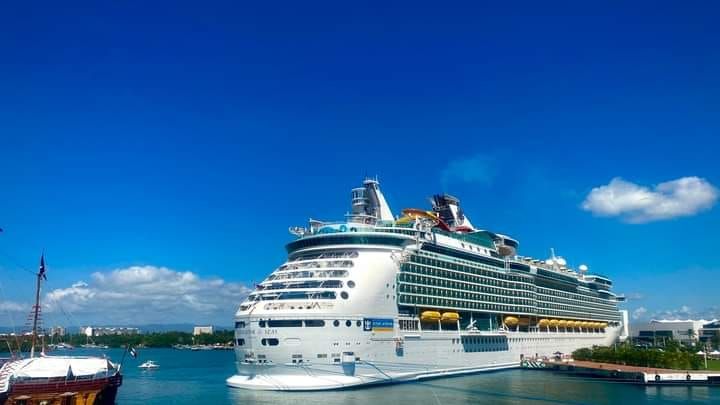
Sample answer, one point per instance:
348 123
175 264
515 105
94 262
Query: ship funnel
448 209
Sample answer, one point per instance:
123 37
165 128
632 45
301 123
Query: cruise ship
380 299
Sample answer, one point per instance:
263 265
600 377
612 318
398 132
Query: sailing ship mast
36 307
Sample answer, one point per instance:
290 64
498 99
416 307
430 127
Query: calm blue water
187 377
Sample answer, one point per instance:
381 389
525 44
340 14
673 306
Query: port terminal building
684 331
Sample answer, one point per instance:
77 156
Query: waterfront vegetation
160 339
713 365
673 356
157 340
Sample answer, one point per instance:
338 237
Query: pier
629 374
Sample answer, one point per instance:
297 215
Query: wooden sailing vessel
62 380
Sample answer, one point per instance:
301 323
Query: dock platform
630 374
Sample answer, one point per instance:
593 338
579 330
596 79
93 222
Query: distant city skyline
158 162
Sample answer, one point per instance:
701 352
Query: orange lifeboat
430 316
511 321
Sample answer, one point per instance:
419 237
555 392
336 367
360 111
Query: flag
42 267
132 352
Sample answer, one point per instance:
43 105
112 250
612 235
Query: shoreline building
709 331
202 330
57 331
660 330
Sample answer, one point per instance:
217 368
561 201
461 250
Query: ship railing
6 372
75 378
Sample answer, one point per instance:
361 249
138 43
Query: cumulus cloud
474 169
148 294
639 313
12 306
686 312
634 296
681 313
634 203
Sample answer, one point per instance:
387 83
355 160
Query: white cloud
474 169
639 312
147 294
681 313
639 204
12 306
634 296
686 312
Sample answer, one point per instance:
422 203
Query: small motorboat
148 365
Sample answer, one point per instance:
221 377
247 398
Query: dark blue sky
190 137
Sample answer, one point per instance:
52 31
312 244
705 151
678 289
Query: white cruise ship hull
425 355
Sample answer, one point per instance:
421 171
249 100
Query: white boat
94 346
374 299
149 365
61 346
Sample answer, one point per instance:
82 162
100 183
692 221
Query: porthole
336 323
358 323
351 284
348 323
344 295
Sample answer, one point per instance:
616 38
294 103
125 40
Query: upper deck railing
421 234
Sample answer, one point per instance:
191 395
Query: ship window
240 342
261 324
239 324
285 323
336 323
269 342
348 323
344 295
351 284
314 323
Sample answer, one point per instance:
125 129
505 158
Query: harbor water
191 377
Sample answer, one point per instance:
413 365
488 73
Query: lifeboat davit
430 316
450 317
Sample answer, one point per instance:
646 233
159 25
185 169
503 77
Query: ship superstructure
374 299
